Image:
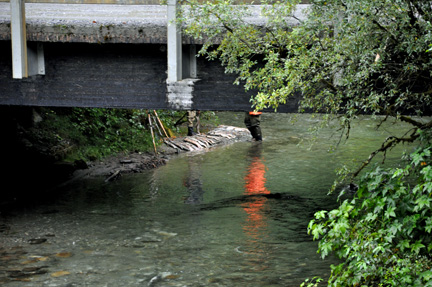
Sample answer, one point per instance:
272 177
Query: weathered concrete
19 45
117 76
175 53
115 56
90 23
103 23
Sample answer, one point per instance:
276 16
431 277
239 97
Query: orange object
255 113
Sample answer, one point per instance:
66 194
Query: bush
383 234
93 133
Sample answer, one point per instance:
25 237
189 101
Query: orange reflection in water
255 226
255 185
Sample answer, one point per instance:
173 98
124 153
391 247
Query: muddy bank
113 167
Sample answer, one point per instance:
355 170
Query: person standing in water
252 121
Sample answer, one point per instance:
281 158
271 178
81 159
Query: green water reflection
233 216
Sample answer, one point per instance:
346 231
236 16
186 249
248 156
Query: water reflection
204 219
255 226
193 182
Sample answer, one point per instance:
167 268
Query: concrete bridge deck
103 23
103 55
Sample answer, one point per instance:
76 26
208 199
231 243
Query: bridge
112 56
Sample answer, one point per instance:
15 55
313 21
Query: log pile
221 135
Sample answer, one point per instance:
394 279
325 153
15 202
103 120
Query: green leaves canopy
346 57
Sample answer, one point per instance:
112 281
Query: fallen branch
152 134
113 176
388 143
160 123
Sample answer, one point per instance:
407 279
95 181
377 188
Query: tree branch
415 123
388 143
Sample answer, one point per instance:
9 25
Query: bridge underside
116 76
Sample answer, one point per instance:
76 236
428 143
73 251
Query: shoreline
112 167
26 193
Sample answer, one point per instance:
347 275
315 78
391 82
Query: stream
235 215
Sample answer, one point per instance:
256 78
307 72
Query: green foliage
108 131
314 282
92 133
383 234
347 57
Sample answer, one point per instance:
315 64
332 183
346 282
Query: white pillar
18 35
193 61
174 44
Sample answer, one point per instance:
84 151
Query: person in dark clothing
193 116
252 121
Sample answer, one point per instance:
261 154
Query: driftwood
220 135
152 134
160 123
113 176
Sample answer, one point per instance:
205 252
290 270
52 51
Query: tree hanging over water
345 58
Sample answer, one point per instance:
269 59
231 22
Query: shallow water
233 216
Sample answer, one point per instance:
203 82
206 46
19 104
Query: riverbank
32 177
114 166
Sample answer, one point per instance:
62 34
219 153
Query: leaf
390 212
320 214
371 216
379 249
426 275
422 202
428 226
417 246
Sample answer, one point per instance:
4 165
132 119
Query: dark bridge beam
117 76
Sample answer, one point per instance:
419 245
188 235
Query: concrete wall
117 76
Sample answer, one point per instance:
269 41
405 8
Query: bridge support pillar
189 64
35 59
19 43
182 71
174 43
180 94
27 58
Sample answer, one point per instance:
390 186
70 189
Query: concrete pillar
192 61
174 44
35 59
189 62
18 35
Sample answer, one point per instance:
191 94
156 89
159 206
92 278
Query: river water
232 216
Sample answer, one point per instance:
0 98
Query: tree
383 234
345 58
